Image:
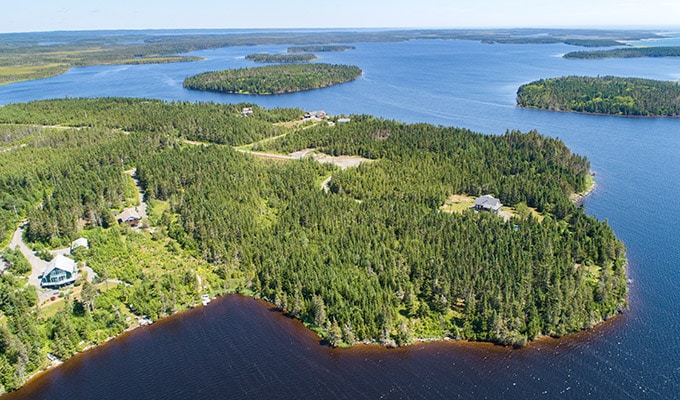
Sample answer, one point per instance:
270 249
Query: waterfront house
80 242
315 115
247 111
129 216
60 271
487 203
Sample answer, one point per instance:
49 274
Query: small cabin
343 120
129 216
60 271
488 203
247 111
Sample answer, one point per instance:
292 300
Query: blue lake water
223 351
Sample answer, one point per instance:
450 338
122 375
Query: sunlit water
237 348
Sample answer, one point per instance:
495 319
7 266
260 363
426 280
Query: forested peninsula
603 95
358 254
273 79
281 58
630 52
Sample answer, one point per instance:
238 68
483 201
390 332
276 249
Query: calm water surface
238 348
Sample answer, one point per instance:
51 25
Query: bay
237 348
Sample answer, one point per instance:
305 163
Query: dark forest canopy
281 58
370 259
319 48
273 79
603 95
25 56
631 52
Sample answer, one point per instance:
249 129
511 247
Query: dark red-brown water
238 347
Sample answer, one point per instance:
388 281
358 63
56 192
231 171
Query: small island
319 48
273 79
630 52
603 95
281 58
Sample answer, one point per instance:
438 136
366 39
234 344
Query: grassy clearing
457 203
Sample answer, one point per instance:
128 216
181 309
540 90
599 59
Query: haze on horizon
70 15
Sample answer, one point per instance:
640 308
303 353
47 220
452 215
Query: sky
51 15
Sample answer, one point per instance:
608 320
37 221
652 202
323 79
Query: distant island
555 39
319 48
603 95
273 79
632 52
440 233
281 58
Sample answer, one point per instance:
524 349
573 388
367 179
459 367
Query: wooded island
358 254
273 79
281 58
603 95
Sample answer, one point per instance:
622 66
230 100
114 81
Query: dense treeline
372 259
629 52
319 48
281 58
209 122
603 95
273 79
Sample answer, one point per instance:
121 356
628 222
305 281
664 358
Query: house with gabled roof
129 216
60 271
487 203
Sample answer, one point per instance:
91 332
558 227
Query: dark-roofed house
129 216
59 272
487 203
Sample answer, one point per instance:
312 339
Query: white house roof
80 242
60 262
488 202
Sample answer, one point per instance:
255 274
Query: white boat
205 299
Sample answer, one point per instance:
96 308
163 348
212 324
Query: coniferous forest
372 258
603 95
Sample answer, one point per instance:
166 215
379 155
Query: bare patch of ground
341 161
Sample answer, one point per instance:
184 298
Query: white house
60 271
80 242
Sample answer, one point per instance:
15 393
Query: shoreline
599 114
